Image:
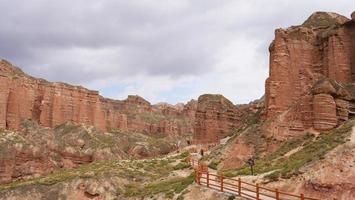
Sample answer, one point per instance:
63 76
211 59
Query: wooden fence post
257 191
277 194
208 179
239 187
199 177
302 197
221 183
196 174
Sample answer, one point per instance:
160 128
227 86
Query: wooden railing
236 186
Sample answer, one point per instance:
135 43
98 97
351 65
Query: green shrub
181 165
214 164
274 176
182 155
232 197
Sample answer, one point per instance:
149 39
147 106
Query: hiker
201 152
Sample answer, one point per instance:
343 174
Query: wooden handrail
208 179
237 186
277 194
221 183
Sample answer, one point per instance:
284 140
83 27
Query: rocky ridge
51 104
23 97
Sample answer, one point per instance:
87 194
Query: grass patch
85 171
181 165
168 187
137 170
182 155
274 176
313 149
214 164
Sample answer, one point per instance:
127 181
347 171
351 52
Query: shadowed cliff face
300 56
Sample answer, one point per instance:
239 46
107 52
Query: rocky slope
37 150
164 178
330 177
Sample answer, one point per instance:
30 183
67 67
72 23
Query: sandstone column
324 111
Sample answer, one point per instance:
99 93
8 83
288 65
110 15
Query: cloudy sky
163 50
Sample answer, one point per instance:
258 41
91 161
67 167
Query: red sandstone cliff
211 118
321 49
51 104
216 118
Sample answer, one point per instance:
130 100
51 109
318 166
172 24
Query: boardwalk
237 187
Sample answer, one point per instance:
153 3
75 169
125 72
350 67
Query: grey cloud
154 40
85 41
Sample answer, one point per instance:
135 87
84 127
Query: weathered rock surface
323 47
51 104
325 116
216 117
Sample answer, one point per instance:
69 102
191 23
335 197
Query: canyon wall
51 104
322 49
23 97
215 118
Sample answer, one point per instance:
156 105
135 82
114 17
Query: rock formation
215 118
323 47
51 104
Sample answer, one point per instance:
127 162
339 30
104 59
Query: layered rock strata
51 104
322 47
216 118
